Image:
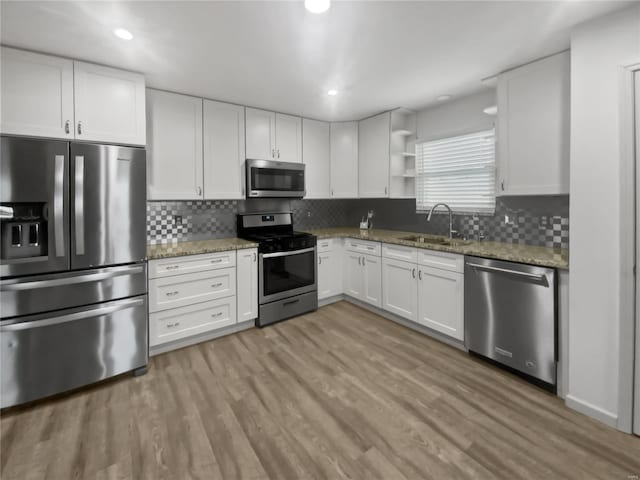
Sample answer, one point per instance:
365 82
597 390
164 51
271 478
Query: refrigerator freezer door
51 353
34 194
108 205
55 291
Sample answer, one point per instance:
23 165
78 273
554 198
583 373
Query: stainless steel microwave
268 178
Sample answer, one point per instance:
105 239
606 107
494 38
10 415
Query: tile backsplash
541 221
170 221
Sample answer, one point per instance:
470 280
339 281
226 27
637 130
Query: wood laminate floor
339 393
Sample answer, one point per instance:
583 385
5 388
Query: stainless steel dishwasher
510 315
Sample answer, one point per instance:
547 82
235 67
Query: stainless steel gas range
287 272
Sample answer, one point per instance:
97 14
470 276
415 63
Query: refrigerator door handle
13 285
70 317
79 204
58 205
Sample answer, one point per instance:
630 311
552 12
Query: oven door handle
284 254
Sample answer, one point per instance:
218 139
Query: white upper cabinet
109 105
533 128
316 157
224 156
174 153
260 134
273 136
373 156
344 160
288 138
37 94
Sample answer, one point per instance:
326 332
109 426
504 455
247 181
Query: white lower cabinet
363 273
400 288
427 288
178 323
197 294
247 278
329 268
441 301
183 290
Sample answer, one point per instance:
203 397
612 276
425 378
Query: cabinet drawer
178 323
443 260
183 290
325 245
191 263
400 252
363 246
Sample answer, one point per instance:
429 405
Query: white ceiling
276 55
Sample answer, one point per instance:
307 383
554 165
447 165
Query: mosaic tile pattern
174 221
536 221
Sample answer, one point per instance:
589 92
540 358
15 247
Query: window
458 171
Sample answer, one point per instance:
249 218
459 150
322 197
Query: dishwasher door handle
531 276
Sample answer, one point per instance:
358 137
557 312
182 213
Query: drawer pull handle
217 260
173 267
420 274
216 285
172 294
213 315
173 325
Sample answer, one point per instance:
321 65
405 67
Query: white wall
455 117
599 50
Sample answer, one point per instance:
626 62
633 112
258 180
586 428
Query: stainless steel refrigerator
73 275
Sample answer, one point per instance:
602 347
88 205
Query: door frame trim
629 295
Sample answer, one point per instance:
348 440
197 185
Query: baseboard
330 300
407 323
204 337
592 411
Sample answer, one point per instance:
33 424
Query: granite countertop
178 249
543 256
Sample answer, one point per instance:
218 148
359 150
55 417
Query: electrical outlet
308 213
177 219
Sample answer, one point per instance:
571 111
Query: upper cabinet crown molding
48 96
273 136
533 128
374 134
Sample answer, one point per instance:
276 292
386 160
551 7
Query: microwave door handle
58 205
79 204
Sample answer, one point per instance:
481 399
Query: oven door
286 274
275 179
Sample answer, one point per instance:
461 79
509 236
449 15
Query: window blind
458 171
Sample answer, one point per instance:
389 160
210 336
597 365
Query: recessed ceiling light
443 98
317 6
123 33
333 92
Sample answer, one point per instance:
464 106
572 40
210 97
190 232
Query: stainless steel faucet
450 216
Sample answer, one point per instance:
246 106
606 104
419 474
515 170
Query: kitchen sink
436 240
